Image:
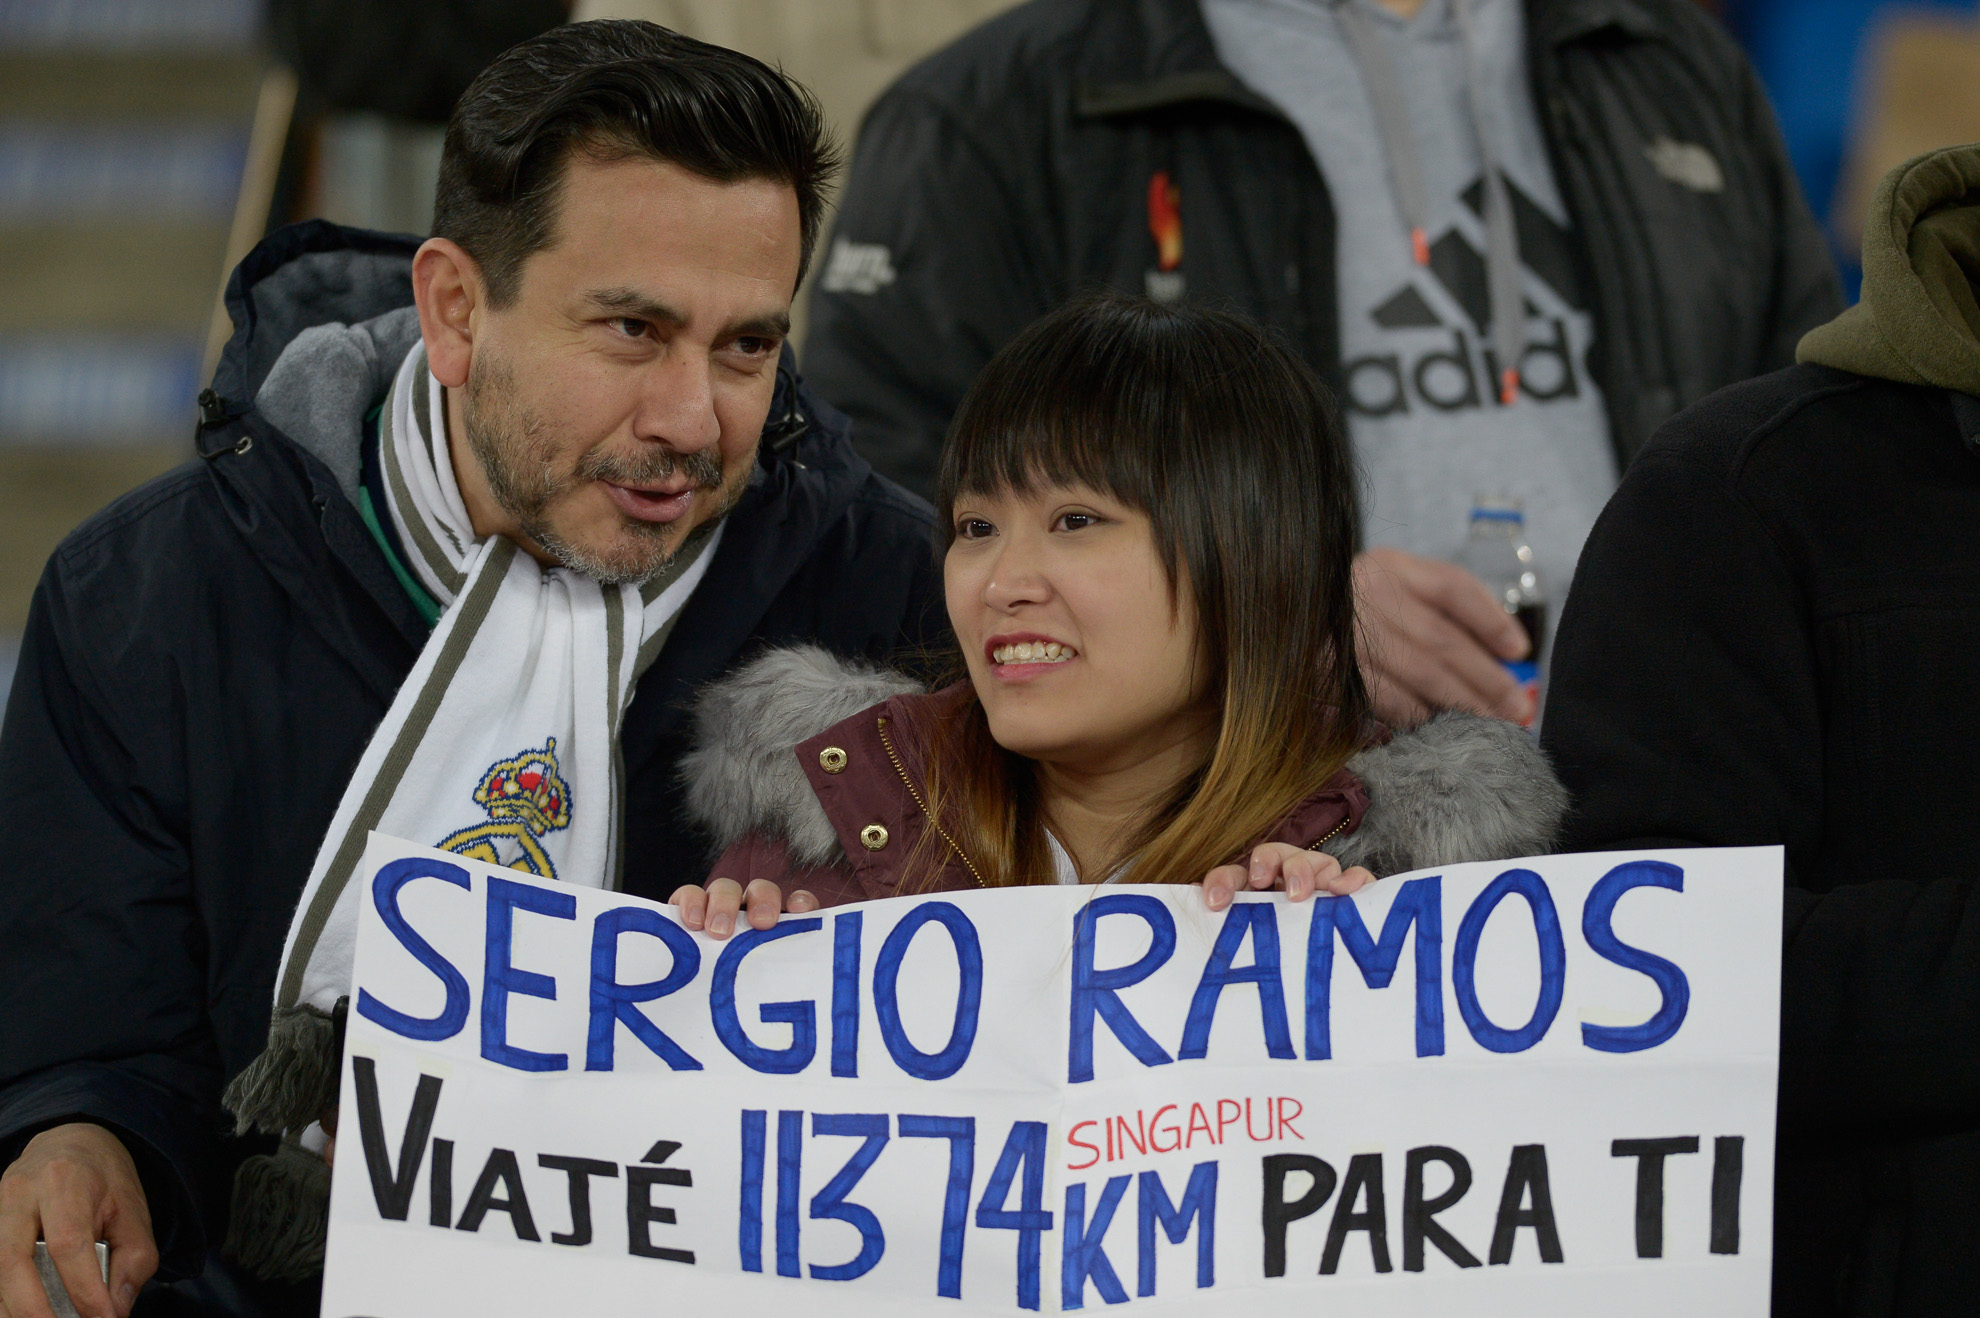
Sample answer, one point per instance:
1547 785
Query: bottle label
1527 674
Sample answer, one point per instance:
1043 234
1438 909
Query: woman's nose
1014 582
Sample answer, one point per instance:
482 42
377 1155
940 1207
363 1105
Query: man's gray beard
518 456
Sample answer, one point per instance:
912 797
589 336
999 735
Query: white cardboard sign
1529 1087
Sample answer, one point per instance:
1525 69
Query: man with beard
471 518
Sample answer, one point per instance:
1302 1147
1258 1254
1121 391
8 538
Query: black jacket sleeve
938 257
1686 709
103 988
1806 290
407 61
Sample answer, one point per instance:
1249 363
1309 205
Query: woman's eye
973 528
1076 521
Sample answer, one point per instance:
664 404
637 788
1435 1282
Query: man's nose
677 404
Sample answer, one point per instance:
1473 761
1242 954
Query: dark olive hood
1919 320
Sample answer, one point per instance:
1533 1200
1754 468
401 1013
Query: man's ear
448 288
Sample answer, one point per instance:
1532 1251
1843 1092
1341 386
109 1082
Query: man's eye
755 349
631 327
974 528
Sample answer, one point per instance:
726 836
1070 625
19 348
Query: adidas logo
1458 374
1456 369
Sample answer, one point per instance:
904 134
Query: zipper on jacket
1336 831
908 782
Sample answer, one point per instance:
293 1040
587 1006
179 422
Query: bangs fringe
1105 405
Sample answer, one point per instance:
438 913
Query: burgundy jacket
866 772
808 771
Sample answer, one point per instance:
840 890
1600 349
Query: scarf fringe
294 1081
280 1217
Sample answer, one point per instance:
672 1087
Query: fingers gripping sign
72 1186
1279 866
713 909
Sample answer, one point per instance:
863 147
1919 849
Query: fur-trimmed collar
1457 788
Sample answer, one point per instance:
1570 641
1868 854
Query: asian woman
1147 522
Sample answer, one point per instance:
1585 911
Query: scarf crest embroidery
525 797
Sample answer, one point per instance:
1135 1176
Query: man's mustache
703 468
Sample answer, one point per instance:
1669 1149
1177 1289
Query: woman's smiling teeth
1033 652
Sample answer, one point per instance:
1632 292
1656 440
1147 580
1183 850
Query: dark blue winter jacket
203 665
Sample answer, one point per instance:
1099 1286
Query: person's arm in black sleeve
938 257
1685 710
1807 292
102 992
409 61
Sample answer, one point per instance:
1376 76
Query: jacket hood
1457 788
299 277
326 380
1919 321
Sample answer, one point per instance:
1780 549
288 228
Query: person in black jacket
206 660
1584 202
436 49
1773 641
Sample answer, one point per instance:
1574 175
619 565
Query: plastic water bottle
1497 554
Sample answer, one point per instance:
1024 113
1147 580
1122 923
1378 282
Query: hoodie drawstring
1502 274
1391 124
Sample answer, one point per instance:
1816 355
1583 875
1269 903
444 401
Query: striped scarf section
502 745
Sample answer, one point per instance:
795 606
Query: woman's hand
1298 872
712 909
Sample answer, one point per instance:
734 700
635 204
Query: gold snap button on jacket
873 837
833 760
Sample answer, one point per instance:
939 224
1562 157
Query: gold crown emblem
525 797
529 788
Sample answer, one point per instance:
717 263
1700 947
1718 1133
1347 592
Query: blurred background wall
124 127
1861 86
145 145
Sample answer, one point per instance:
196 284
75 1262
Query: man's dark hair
615 89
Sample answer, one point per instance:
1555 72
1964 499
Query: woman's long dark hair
1233 448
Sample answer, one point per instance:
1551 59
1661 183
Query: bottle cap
1497 508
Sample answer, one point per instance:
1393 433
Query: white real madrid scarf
502 745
